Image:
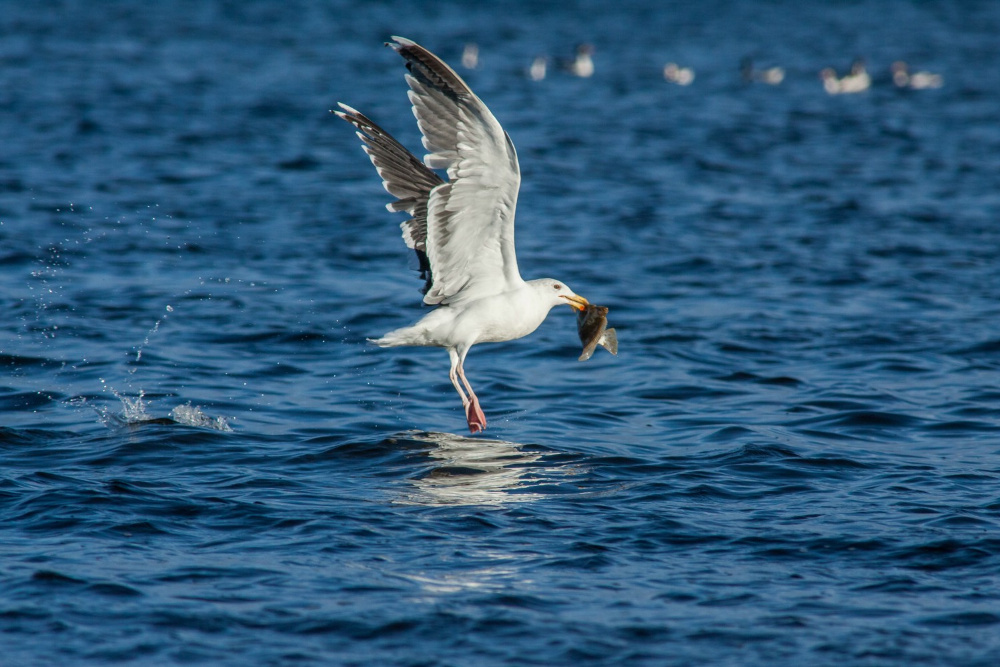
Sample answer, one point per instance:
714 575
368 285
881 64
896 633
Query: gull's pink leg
453 376
473 413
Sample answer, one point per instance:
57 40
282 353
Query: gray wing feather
405 177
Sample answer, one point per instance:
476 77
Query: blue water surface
795 458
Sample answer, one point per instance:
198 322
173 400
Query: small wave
685 392
984 348
973 618
754 452
16 361
25 400
870 423
53 577
946 554
114 590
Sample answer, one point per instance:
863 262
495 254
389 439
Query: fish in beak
592 325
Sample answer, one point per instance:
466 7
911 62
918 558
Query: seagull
582 64
462 229
904 78
470 56
682 76
772 76
538 68
857 81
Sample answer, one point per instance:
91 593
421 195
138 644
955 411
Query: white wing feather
470 221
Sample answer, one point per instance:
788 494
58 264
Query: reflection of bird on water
771 75
682 76
462 230
475 471
902 77
857 81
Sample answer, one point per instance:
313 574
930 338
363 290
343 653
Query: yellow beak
577 302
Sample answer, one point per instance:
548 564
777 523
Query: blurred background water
793 460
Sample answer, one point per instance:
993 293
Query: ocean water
794 459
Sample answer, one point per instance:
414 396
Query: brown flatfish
592 325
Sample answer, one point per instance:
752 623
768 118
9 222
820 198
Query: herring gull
462 229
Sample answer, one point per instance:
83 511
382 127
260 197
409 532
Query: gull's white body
462 229
492 319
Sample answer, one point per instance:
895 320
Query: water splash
133 412
47 288
133 409
193 416
133 406
145 341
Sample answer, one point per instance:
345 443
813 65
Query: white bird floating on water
538 68
772 76
582 64
857 81
682 76
461 229
470 56
904 78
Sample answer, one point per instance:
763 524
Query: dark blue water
795 459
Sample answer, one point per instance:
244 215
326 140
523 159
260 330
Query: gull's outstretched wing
405 177
470 219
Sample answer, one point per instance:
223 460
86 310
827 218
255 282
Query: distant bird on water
583 64
903 78
856 82
538 68
682 76
470 56
771 76
462 229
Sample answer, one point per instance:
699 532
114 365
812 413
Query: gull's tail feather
415 335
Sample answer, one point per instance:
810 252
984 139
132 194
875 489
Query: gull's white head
558 294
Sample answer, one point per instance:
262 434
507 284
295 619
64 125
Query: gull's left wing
470 219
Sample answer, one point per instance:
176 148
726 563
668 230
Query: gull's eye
557 286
